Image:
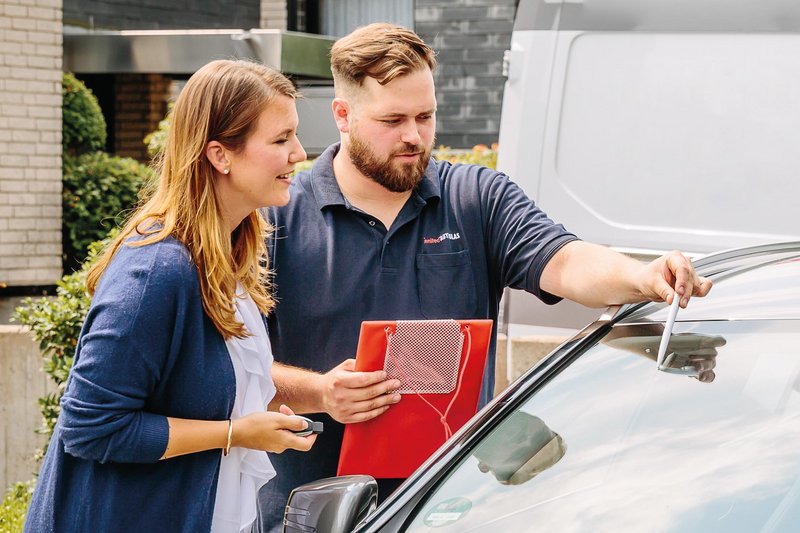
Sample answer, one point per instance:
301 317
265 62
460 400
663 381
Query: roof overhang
184 51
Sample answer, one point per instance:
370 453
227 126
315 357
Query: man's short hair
381 51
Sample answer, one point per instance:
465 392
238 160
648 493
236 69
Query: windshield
611 444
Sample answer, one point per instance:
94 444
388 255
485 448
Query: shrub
156 140
98 189
15 506
56 324
83 125
479 155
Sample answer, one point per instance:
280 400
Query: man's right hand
349 396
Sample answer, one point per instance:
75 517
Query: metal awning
184 51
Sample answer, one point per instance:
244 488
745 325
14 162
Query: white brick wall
30 141
273 14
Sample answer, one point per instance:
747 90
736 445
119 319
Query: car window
612 444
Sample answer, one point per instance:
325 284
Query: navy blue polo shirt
465 233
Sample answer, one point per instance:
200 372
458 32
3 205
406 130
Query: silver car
597 438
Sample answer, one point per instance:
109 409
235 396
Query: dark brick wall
140 103
160 14
470 37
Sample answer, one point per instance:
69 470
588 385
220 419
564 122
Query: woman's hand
271 432
266 431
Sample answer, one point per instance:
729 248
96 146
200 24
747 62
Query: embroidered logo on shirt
440 238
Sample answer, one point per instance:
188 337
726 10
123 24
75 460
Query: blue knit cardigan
147 351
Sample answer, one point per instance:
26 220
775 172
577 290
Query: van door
658 124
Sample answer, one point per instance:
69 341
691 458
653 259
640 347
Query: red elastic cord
442 416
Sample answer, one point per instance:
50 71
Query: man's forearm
593 275
298 388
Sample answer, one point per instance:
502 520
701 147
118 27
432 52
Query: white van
650 125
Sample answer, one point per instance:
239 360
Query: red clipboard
397 442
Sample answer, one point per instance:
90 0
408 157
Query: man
378 230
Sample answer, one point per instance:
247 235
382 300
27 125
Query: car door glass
611 444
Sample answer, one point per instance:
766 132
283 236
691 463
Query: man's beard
391 174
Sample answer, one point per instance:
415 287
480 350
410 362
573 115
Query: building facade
30 142
469 36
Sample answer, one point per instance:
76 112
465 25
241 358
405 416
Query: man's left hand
672 273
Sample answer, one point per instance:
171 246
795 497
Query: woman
163 422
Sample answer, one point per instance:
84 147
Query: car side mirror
333 505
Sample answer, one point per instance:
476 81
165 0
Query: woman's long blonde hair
221 102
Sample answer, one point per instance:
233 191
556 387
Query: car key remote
313 427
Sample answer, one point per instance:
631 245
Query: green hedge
99 189
83 125
15 507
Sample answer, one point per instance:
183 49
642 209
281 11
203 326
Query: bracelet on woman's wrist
227 448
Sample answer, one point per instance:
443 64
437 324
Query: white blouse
243 471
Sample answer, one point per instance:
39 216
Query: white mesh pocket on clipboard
425 355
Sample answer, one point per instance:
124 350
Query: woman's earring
226 170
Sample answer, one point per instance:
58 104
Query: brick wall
273 14
30 142
470 37
140 103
